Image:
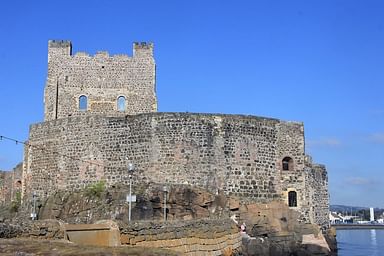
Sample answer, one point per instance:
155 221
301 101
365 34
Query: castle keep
101 114
81 85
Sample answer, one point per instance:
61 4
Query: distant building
334 218
338 218
371 214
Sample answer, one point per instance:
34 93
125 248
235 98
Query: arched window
18 184
292 199
287 164
121 103
83 102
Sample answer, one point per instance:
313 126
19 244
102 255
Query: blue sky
319 62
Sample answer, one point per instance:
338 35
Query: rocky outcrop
197 221
274 229
330 236
183 203
41 229
8 230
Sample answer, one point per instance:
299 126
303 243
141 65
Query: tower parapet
141 49
59 47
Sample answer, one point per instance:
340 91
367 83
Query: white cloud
3 159
360 181
377 112
324 142
377 137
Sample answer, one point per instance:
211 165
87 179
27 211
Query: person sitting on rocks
243 228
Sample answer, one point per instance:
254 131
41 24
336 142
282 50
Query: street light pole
130 171
34 205
165 190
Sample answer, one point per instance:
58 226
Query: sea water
360 242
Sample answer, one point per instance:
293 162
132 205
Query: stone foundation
200 237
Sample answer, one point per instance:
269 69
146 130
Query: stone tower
81 84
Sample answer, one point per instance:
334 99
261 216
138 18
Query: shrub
15 204
95 189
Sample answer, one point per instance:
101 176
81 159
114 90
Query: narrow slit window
121 103
83 102
292 199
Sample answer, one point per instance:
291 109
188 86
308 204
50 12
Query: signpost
34 198
131 168
131 198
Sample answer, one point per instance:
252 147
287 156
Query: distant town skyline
318 62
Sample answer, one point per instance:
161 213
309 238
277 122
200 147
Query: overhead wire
2 137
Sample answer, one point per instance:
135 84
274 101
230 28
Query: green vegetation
95 189
15 204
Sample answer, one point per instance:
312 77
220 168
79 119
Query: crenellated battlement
102 54
82 54
59 43
142 49
58 48
143 45
64 48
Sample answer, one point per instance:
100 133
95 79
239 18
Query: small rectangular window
292 199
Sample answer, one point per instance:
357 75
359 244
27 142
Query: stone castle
101 114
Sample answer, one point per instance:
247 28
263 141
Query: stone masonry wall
197 237
231 153
10 184
317 194
203 237
101 78
291 144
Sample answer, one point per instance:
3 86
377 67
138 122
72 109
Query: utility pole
165 190
131 168
33 214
